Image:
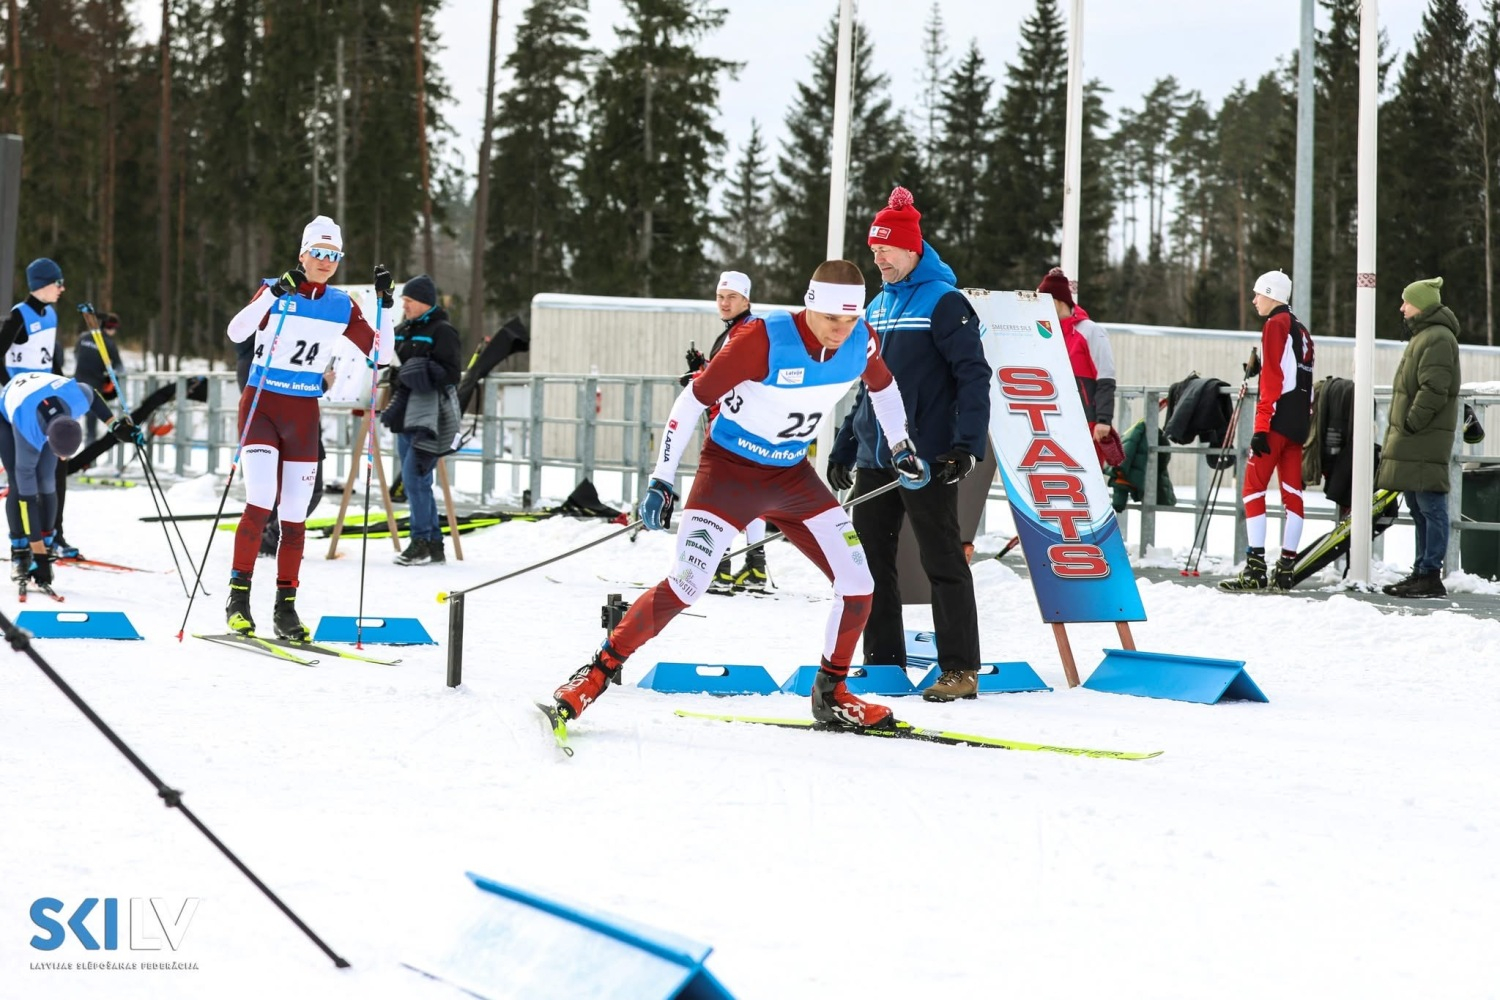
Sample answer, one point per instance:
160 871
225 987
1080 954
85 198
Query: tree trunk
164 186
648 207
1241 278
338 127
107 212
482 191
427 258
14 78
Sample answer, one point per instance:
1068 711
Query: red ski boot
833 705
588 683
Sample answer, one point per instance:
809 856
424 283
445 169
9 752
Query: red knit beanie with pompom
1056 284
899 224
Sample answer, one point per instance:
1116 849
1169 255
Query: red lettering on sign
1036 414
1067 519
1047 488
1045 451
1026 383
1078 562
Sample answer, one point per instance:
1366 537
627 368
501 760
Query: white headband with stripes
836 300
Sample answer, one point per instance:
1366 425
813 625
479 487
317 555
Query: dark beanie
42 272
421 289
1056 285
65 436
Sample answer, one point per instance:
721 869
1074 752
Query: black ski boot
237 608
1252 577
723 581
1286 572
415 555
20 564
752 576
284 618
435 552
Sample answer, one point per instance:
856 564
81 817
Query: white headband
836 300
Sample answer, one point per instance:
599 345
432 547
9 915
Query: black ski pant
933 510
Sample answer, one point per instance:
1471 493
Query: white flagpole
1364 296
1073 148
838 188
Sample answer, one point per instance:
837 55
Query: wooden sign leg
1127 641
354 464
385 494
442 471
1065 650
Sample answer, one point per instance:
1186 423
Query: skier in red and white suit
296 320
775 381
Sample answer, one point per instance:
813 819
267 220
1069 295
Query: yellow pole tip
442 597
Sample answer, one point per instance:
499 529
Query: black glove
1260 444
125 431
951 466
384 285
41 568
696 362
840 477
289 282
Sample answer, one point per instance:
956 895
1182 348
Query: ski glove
125 431
953 465
840 477
913 471
384 285
1260 444
289 282
41 568
656 509
696 362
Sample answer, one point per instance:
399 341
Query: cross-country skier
28 339
295 320
775 382
39 414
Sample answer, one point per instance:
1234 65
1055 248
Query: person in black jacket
428 350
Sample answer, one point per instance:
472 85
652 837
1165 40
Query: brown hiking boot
952 685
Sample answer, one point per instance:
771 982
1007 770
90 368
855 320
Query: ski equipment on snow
559 726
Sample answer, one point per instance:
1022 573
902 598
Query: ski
83 563
1384 508
559 726
907 731
226 515
313 647
255 644
44 588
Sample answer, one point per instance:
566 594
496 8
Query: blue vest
22 397
304 342
773 421
36 354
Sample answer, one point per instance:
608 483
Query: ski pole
364 536
772 536
448 595
1200 531
20 640
235 462
92 319
153 486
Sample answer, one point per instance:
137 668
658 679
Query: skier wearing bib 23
295 320
774 381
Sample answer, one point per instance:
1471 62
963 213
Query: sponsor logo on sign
1012 329
791 376
1044 327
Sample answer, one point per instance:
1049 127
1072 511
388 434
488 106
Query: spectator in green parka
1129 478
1419 441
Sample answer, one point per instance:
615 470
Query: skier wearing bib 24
28 339
295 320
774 381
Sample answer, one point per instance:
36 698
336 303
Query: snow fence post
455 639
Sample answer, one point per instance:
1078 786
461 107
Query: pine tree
931 81
964 142
881 155
1482 83
653 155
744 237
533 205
1428 218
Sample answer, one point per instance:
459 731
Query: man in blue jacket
931 342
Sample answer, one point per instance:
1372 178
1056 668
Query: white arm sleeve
247 321
890 412
678 432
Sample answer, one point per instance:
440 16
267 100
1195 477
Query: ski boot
1252 577
416 554
20 562
752 576
59 548
435 552
284 617
237 608
1285 574
833 705
723 581
588 683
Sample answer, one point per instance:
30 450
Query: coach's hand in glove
840 477
951 466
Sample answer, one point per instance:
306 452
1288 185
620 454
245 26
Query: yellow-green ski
559 726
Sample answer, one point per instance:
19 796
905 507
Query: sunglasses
318 253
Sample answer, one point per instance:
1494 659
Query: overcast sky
1209 45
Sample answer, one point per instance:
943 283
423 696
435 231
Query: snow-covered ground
1339 841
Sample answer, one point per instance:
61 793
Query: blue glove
656 509
913 471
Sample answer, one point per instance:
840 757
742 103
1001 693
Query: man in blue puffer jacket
931 339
